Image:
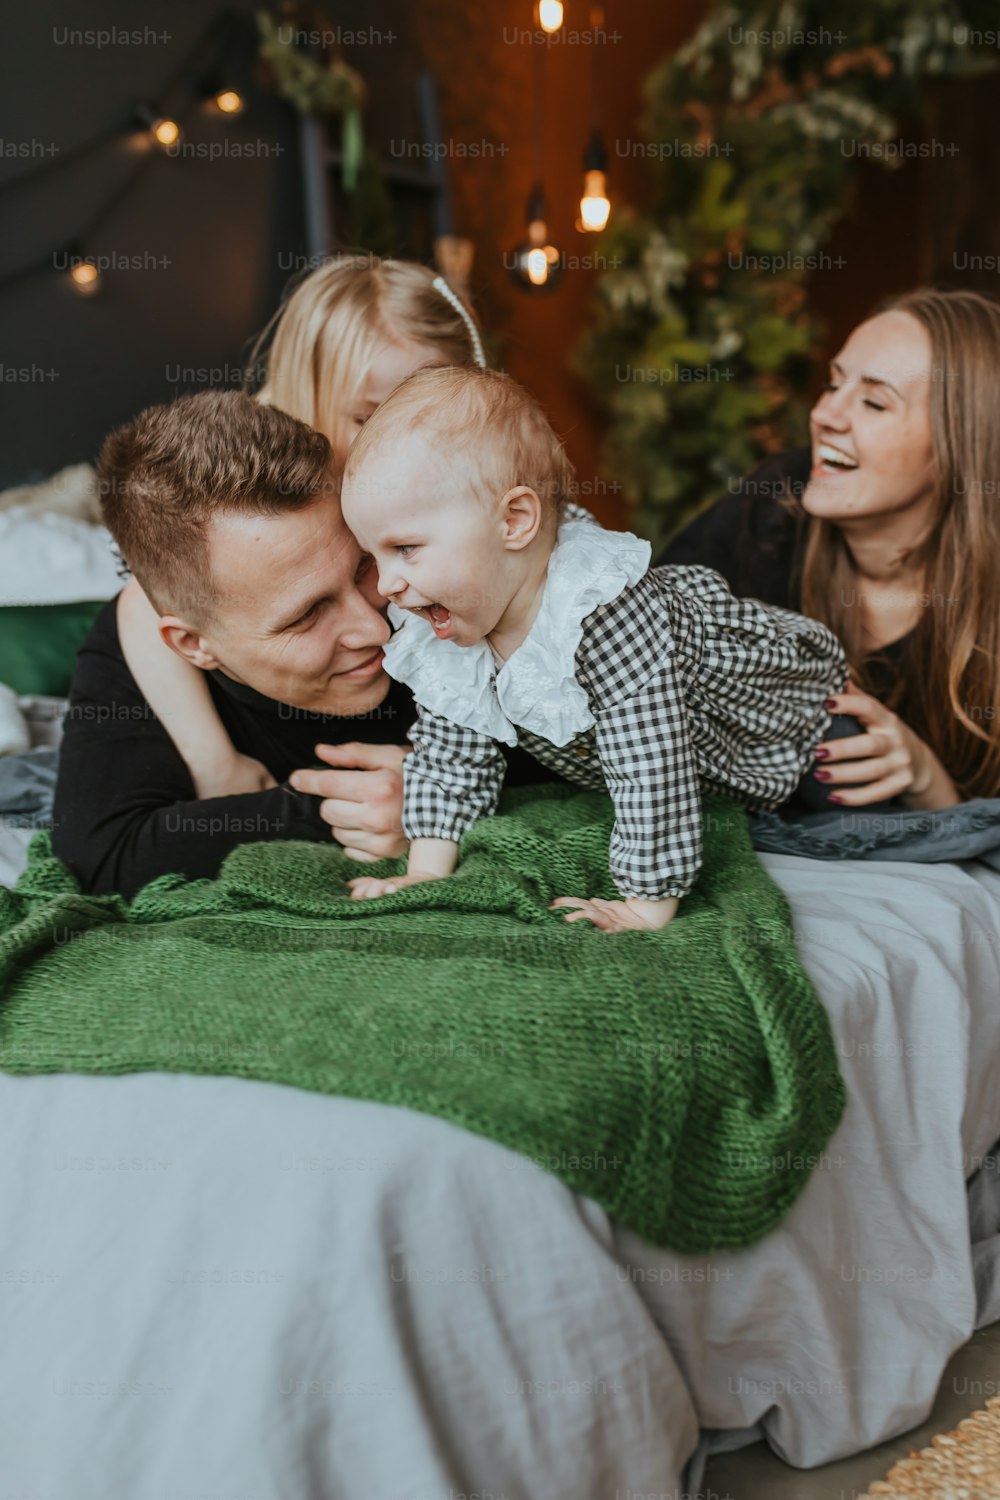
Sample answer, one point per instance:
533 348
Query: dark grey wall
73 367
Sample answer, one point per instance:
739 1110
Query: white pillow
72 492
52 559
14 733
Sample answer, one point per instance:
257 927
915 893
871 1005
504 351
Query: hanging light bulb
536 265
164 130
550 15
595 206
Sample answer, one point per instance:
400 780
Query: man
226 512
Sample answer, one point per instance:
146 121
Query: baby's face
438 550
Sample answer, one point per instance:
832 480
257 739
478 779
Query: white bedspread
212 1287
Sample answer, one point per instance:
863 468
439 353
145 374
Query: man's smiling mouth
366 668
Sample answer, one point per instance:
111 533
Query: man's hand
362 797
631 915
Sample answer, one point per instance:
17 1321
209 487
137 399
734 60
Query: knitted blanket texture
686 1079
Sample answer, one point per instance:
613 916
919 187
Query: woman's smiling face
871 429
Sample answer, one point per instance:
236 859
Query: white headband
463 312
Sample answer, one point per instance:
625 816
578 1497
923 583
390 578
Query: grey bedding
28 788
217 1287
971 830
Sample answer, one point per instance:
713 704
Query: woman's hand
888 760
631 915
366 887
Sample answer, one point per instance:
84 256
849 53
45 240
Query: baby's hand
366 887
631 915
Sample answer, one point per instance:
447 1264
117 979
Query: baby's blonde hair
328 331
487 419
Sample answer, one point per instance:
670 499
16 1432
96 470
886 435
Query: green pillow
39 642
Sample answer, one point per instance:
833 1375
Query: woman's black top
757 543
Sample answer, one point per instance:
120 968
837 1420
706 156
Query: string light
219 94
550 15
228 101
163 129
166 132
159 128
85 278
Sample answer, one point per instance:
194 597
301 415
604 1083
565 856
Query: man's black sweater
125 808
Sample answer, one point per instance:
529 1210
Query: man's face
299 616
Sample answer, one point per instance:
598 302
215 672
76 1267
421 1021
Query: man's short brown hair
165 475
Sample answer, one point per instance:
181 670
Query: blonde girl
346 336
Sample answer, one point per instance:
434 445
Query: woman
888 531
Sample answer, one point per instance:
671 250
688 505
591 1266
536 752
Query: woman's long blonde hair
950 677
326 333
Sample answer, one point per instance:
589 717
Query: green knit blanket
685 1079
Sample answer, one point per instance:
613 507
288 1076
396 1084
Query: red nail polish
834 798
820 754
829 703
823 775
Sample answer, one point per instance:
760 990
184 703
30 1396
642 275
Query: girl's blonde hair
951 676
329 328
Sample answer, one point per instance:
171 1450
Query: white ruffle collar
536 688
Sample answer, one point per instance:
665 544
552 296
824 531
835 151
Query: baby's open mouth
440 619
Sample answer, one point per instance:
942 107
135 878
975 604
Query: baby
522 621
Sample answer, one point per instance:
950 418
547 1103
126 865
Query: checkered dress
688 687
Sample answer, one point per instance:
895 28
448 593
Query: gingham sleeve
651 772
451 778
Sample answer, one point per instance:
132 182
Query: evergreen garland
702 341
324 86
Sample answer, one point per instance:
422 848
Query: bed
216 1287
